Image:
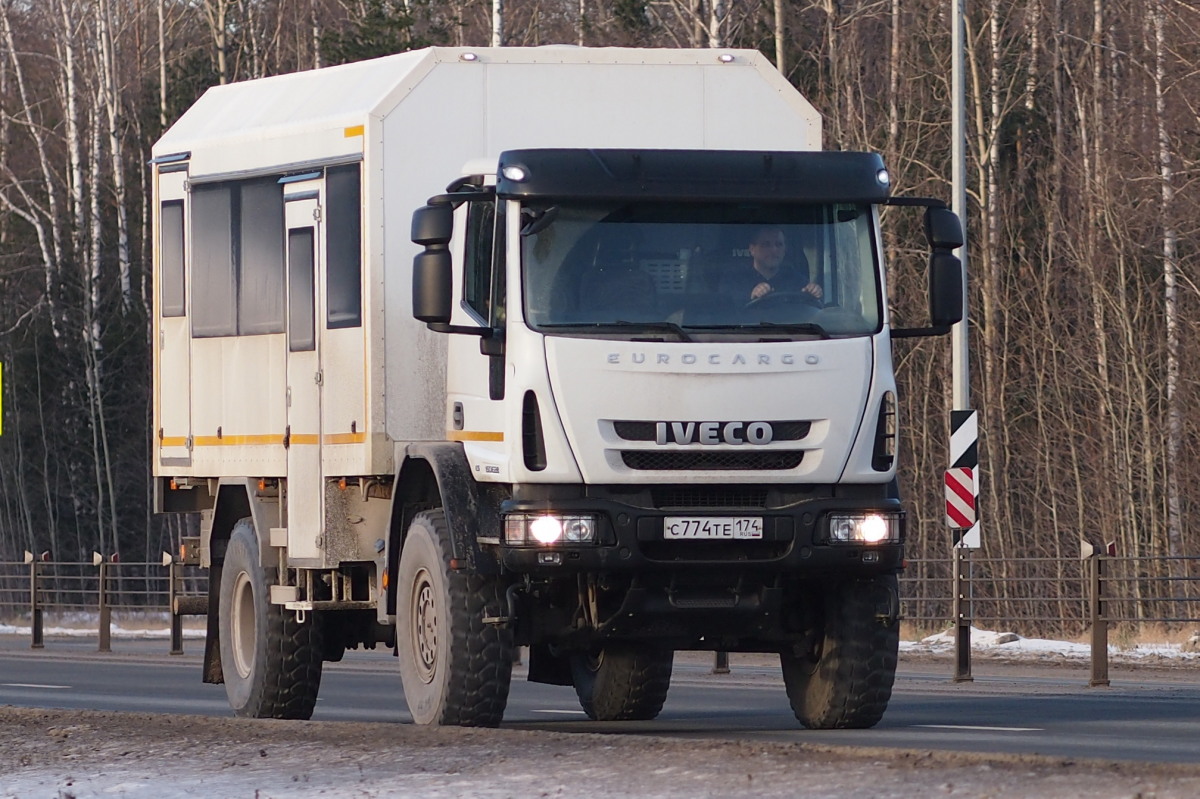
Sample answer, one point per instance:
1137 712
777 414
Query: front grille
693 496
720 460
645 431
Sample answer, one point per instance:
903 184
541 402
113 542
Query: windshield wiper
667 326
664 325
797 327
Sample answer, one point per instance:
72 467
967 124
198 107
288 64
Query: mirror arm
467 330
915 332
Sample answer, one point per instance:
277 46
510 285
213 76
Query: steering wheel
776 299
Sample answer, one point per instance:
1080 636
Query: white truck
465 349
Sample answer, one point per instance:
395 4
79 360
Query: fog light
548 529
865 528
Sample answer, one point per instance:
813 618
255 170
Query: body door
305 481
476 377
172 388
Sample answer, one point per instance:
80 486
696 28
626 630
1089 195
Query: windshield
623 270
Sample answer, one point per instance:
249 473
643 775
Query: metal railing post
962 616
35 608
720 662
105 610
1095 575
176 618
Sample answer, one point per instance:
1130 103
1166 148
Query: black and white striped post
962 494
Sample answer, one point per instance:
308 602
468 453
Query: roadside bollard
721 663
172 604
1093 565
35 607
105 610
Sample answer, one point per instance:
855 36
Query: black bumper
631 540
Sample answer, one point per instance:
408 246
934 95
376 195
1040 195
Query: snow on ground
1011 645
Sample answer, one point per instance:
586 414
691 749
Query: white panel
426 143
744 111
594 105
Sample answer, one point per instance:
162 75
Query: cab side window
477 260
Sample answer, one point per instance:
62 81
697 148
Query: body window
171 258
302 334
214 292
343 187
260 284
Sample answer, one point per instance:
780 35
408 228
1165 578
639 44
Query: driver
767 272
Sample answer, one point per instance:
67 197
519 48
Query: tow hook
510 598
889 613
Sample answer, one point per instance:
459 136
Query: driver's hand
761 290
815 290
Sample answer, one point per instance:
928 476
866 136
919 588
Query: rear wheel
455 668
270 661
622 682
846 682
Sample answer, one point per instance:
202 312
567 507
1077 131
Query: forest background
1082 143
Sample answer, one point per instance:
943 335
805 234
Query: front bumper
630 538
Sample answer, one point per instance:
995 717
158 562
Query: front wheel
846 682
455 669
622 682
270 661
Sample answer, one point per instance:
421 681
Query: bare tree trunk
216 12
106 74
1170 252
780 38
497 23
44 220
162 67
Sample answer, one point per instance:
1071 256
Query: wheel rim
243 625
424 627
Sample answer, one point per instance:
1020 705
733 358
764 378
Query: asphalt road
1146 716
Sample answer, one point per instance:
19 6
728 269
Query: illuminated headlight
864 528
527 529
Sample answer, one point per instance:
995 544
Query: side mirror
433 225
943 229
433 269
433 286
945 289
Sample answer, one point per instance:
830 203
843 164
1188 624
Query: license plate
713 527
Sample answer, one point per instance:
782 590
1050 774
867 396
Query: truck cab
695 439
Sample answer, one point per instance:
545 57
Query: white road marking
980 729
29 685
561 712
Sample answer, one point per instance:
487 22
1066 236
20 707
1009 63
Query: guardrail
37 585
1031 596
1068 597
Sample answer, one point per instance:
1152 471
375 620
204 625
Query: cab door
305 379
476 377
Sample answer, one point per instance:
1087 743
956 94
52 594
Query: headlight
865 528
548 529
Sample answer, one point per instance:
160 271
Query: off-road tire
270 661
622 682
847 683
455 669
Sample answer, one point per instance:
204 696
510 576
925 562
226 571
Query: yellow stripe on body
264 440
473 435
239 441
